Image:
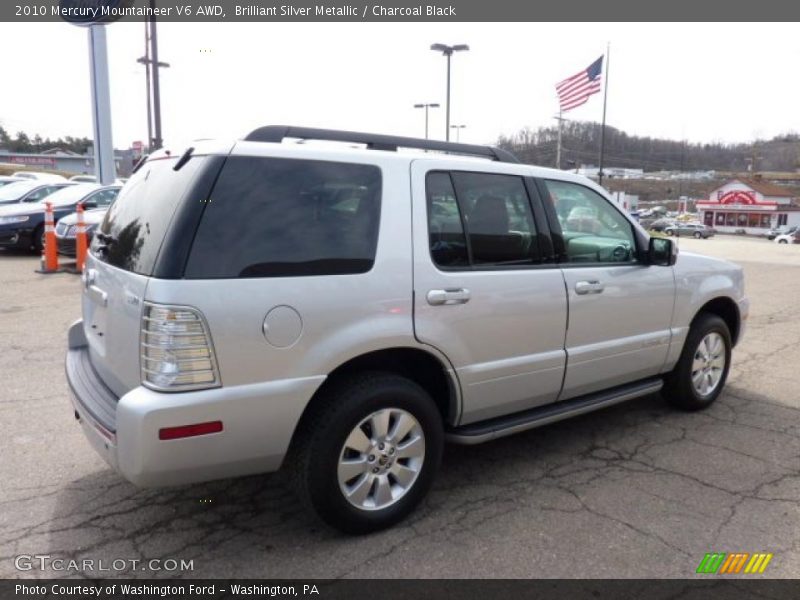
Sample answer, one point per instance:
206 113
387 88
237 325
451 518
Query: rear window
140 217
275 217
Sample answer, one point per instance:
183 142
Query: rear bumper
258 423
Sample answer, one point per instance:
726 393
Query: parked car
39 176
27 191
66 228
6 179
696 230
324 308
775 232
789 238
662 224
22 225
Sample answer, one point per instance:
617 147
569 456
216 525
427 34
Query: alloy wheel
381 459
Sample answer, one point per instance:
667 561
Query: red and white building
749 204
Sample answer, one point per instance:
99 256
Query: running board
476 433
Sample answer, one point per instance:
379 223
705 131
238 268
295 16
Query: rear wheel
702 369
366 456
782 242
697 235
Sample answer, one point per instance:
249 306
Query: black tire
37 239
698 235
678 388
313 459
669 232
782 242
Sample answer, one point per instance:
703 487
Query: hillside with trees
23 143
581 144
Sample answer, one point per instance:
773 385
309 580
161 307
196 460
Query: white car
39 176
6 179
789 238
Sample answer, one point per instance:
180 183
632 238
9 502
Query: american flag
575 90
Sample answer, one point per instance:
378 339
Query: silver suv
341 311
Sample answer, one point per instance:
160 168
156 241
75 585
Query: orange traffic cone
80 241
50 254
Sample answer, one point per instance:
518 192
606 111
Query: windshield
70 195
16 190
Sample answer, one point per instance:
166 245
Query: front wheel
698 378
37 239
782 242
698 235
368 454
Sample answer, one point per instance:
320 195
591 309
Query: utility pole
145 60
152 65
158 141
560 120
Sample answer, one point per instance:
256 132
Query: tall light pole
458 129
448 52
426 107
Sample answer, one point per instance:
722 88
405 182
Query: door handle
448 296
589 287
98 295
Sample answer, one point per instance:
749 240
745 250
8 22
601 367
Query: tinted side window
498 219
447 240
275 217
594 231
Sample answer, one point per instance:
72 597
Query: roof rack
375 141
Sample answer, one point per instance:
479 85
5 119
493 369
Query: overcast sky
701 82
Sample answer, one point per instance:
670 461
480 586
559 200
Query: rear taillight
176 349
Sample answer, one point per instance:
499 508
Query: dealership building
749 204
58 159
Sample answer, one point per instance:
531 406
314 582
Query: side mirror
89 204
662 252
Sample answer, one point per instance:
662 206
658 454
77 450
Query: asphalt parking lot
637 490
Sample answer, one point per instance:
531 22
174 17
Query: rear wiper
106 238
184 158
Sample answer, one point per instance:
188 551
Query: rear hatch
145 233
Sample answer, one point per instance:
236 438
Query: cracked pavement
636 490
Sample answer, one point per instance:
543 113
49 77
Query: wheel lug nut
371 458
375 470
381 446
391 450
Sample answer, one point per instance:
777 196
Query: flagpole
603 127
558 145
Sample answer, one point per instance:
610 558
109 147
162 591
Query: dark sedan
22 225
66 229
